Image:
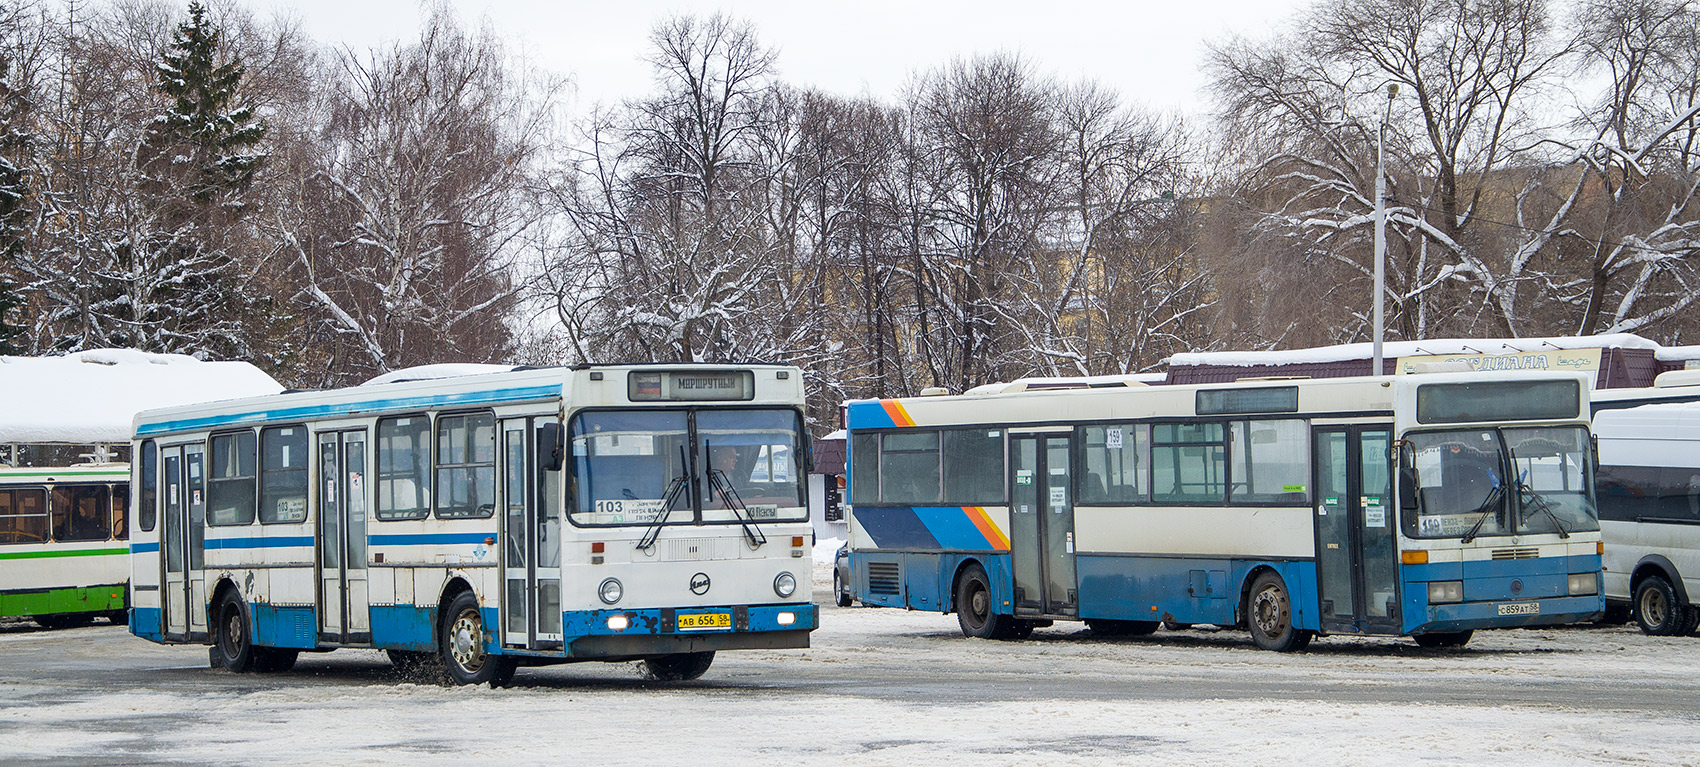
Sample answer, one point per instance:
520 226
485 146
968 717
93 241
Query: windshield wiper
718 483
1487 507
674 489
1539 504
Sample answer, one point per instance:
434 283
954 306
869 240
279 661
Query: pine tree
14 208
198 160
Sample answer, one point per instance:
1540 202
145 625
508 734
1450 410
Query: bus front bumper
1551 611
614 634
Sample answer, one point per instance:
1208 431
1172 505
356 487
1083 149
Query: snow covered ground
885 687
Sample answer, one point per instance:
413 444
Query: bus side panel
404 627
1184 590
284 626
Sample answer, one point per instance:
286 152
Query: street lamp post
1380 322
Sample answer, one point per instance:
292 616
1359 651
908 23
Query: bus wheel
1269 615
844 598
678 667
461 644
232 649
974 607
1110 628
1443 638
1656 608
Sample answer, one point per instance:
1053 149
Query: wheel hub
1266 611
465 644
1653 607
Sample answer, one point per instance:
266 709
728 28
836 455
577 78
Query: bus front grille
1524 553
699 549
883 578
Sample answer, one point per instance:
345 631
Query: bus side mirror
1407 489
550 447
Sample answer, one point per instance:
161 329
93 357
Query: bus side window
147 495
230 488
23 515
404 467
121 512
81 513
283 475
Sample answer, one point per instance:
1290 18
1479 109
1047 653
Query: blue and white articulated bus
1420 505
482 522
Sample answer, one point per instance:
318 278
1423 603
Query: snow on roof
1677 353
439 370
93 396
1393 349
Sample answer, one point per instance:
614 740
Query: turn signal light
596 548
1600 548
1414 557
796 540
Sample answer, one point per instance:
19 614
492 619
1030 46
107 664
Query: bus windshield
1507 481
630 465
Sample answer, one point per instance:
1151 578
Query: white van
1649 498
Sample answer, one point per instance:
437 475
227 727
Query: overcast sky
1150 51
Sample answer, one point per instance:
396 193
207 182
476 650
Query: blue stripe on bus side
423 538
213 544
351 408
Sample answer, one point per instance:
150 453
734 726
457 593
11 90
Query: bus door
1356 557
531 522
344 608
183 542
1042 525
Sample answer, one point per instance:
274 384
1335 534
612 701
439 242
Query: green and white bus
63 537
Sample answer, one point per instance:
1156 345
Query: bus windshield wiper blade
1539 504
729 494
1487 507
674 488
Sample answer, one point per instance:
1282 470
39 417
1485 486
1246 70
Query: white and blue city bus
1422 505
482 522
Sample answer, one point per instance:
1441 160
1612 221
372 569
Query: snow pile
93 396
1394 349
440 370
1677 353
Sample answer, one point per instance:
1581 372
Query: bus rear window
1498 401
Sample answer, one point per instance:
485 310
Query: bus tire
231 645
842 594
274 660
1443 638
1112 628
1269 616
678 667
1657 609
974 612
460 643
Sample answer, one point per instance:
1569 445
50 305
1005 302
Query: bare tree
406 227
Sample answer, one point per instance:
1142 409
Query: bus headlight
1441 592
1583 584
611 591
785 585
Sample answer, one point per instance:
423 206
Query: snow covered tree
14 206
197 163
407 222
